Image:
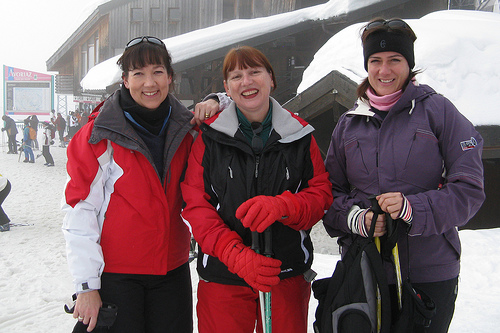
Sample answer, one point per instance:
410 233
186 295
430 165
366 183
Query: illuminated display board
27 92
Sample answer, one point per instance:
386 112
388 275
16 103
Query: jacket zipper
257 161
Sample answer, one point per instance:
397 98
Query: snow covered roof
457 51
202 41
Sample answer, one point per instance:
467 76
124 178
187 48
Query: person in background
29 157
255 168
85 117
125 239
47 141
53 116
33 123
413 149
60 124
11 129
5 187
73 125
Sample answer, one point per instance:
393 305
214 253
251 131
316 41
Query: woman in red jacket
125 239
255 168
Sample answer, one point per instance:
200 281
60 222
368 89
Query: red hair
245 57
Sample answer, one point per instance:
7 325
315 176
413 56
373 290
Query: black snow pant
4 219
444 295
148 303
12 143
47 155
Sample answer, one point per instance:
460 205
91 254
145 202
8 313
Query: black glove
105 318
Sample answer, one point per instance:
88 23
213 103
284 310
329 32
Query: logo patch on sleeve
468 144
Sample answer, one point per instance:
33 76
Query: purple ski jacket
427 150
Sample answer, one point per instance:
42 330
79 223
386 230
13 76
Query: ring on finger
207 115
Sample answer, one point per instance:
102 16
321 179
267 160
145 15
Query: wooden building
106 31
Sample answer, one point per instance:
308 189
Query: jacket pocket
360 164
423 163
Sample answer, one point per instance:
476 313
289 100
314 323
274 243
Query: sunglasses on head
148 39
393 23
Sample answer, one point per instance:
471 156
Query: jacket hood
287 125
111 124
114 121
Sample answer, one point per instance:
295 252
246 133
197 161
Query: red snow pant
236 309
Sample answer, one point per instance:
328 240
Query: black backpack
347 301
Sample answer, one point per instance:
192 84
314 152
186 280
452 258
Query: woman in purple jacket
419 155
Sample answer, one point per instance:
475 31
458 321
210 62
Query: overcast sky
31 31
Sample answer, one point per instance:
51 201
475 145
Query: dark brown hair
245 57
144 54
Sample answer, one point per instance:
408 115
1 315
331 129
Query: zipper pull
257 161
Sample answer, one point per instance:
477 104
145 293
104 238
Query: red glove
261 211
258 271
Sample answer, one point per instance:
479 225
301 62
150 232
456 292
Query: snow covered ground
35 282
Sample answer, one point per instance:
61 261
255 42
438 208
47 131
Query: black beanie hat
383 41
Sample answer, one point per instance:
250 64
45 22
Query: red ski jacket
120 217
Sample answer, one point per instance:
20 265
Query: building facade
106 31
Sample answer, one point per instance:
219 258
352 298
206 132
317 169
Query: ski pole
264 298
376 211
379 297
395 255
256 248
268 252
21 149
391 228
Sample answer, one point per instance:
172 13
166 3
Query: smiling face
250 89
387 72
148 85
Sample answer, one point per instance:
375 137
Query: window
156 15
237 9
228 10
97 49
89 53
174 14
245 9
136 15
83 62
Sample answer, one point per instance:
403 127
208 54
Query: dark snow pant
444 295
47 155
12 143
61 138
4 219
148 303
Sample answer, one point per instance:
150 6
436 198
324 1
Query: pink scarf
383 103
